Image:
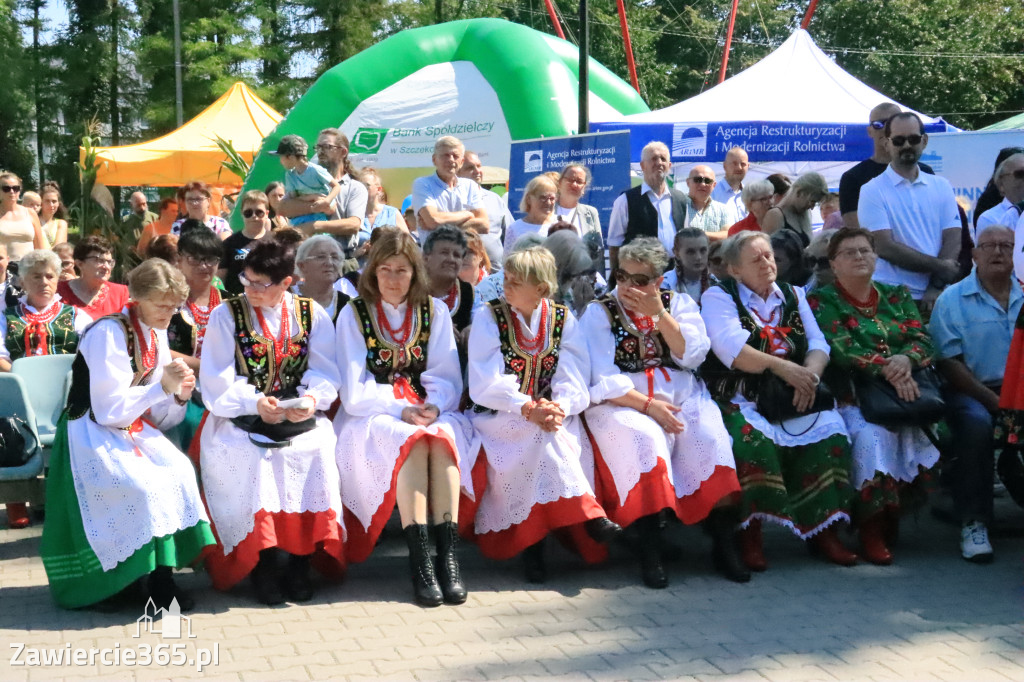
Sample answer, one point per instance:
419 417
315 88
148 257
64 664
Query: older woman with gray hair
790 444
757 197
660 443
318 261
793 212
121 501
40 323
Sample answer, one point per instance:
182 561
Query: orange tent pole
629 46
554 18
728 42
810 13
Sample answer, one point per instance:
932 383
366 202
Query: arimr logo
368 140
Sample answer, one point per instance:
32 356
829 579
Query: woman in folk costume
528 376
795 470
266 449
39 323
400 436
659 437
122 502
200 252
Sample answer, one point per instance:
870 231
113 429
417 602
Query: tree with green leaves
15 103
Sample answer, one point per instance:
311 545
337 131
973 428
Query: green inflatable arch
514 59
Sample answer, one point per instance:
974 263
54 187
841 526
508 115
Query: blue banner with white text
763 140
606 155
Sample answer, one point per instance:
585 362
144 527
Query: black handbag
775 399
17 442
879 403
281 434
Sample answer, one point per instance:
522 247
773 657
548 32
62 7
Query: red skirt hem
304 533
696 506
652 493
361 541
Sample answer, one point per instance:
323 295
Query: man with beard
871 167
913 216
332 153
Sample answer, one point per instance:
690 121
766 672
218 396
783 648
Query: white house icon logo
171 622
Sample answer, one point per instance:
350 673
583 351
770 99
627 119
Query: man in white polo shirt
443 198
913 216
730 190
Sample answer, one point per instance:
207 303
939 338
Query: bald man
704 212
140 215
869 169
730 190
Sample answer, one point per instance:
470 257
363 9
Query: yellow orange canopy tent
190 152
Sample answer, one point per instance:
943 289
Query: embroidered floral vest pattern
61 335
542 367
386 360
724 383
254 354
630 353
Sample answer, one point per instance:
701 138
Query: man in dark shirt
255 209
868 169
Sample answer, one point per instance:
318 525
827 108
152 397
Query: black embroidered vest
254 353
630 348
386 360
538 370
182 334
79 398
462 315
61 337
724 383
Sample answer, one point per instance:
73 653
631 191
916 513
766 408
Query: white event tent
816 122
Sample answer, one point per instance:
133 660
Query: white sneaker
974 544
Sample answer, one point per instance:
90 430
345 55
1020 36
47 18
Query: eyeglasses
996 246
638 280
196 200
202 262
14 189
98 260
325 146
701 180
254 285
863 252
900 140
1017 174
166 309
767 197
250 212
879 125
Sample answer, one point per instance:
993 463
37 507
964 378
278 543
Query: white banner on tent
967 159
397 127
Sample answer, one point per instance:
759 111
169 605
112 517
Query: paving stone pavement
930 616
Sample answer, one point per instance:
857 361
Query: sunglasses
638 280
900 140
1017 174
257 212
202 262
701 180
879 125
11 188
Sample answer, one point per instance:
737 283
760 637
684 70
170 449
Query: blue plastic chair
47 378
20 484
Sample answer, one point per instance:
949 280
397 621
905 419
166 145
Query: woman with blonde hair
121 501
793 212
538 202
528 376
400 435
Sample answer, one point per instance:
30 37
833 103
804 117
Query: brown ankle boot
827 543
751 546
872 540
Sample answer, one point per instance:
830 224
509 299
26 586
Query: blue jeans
968 466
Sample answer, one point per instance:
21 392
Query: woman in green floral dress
794 472
876 329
